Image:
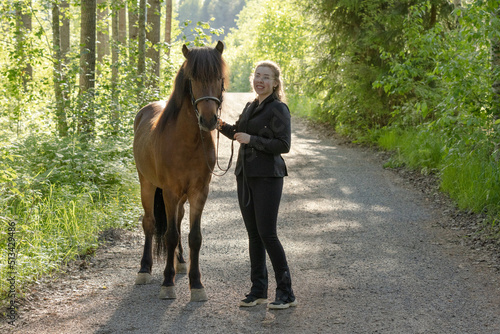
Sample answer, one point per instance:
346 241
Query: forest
418 78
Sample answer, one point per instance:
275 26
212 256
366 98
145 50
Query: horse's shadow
141 311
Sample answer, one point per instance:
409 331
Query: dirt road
367 255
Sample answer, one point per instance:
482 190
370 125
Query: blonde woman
263 130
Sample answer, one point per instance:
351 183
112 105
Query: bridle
219 108
206 98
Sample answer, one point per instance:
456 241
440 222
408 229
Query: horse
175 156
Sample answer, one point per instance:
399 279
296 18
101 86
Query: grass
57 206
423 151
470 174
472 178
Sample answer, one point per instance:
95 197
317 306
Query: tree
353 33
115 52
102 30
133 29
495 64
62 125
122 21
23 28
269 30
87 66
141 54
168 25
224 13
64 31
153 37
65 44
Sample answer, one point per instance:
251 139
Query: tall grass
421 151
468 169
59 195
472 177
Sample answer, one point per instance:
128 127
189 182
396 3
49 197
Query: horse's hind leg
148 224
180 266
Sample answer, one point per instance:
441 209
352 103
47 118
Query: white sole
282 306
254 303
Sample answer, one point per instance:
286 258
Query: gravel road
367 253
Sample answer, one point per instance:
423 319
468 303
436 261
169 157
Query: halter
219 103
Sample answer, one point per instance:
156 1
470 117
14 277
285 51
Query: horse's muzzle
207 125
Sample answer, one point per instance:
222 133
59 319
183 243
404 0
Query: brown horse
175 155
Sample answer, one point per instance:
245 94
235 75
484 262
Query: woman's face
264 81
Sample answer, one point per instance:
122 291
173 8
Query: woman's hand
242 138
220 123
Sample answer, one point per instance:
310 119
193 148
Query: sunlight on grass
56 217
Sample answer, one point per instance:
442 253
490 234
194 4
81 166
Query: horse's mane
203 64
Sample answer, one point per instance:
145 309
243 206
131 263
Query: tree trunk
433 18
87 66
133 29
62 125
168 25
102 30
115 51
141 55
495 70
153 36
23 28
122 22
65 31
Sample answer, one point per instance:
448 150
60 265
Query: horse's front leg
180 266
171 201
197 203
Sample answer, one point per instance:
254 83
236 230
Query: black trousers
259 199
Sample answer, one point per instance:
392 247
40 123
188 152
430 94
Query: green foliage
351 37
274 31
59 194
441 85
200 34
440 74
220 13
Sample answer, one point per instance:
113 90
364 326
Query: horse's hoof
143 278
198 295
181 268
167 292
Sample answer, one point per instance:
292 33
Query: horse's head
205 70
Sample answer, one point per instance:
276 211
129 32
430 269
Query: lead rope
212 170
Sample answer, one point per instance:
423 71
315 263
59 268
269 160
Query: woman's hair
279 91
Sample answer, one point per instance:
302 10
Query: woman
263 130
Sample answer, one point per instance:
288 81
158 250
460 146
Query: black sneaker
251 300
279 304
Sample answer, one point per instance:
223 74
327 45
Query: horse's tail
160 223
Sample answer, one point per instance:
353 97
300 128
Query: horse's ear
185 50
220 46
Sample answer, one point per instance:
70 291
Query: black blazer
269 126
